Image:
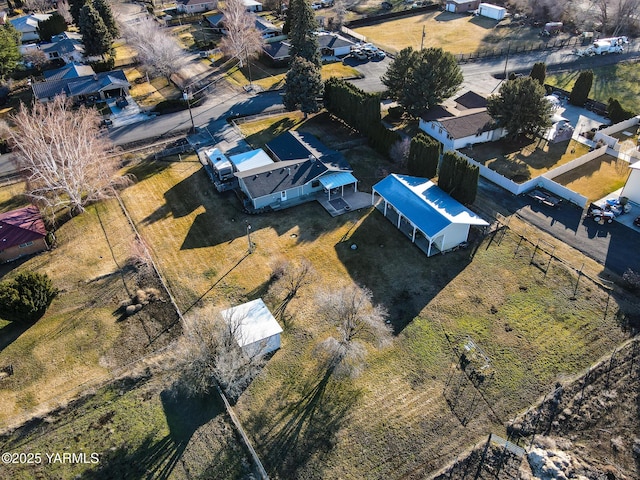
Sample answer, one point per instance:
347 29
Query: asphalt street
613 245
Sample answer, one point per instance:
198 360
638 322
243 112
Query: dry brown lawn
152 92
525 158
597 178
455 33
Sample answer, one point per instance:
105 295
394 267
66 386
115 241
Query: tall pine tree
303 86
74 9
95 35
9 48
105 12
458 178
304 42
424 154
582 87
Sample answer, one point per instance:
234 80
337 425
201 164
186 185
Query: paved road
613 245
475 71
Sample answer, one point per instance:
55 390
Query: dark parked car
386 5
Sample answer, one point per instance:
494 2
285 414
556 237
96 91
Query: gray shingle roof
69 71
80 85
281 176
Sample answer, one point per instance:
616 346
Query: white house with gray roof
463 124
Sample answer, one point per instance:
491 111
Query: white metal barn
257 331
433 220
631 189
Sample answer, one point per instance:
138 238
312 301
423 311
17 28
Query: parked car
359 54
386 5
326 3
544 197
600 214
316 5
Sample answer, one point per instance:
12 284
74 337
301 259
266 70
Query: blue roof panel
424 204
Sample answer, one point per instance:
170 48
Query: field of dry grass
525 158
455 33
597 178
152 92
81 338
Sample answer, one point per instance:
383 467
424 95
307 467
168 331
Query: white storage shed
255 329
492 11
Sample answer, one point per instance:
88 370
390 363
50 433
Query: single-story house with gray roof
330 45
88 88
27 25
303 167
432 219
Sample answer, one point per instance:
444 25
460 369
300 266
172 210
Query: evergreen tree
304 42
539 72
520 107
359 109
54 25
582 87
105 12
10 39
458 178
303 86
396 75
617 113
95 35
420 80
74 9
424 155
27 297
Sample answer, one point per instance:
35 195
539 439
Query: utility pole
185 96
422 41
249 237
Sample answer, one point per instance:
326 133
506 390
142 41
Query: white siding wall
271 344
435 130
632 189
473 139
454 234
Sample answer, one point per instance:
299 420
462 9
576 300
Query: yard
80 342
525 158
620 81
597 178
150 93
443 29
269 78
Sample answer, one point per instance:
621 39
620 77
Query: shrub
396 112
582 87
27 297
103 66
631 280
617 113
170 106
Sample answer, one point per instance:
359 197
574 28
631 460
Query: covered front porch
334 183
430 246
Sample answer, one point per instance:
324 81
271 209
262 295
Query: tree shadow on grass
147 168
308 427
11 332
157 459
401 277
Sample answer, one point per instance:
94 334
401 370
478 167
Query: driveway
612 245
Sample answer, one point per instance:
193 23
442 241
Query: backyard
443 29
597 178
525 158
620 81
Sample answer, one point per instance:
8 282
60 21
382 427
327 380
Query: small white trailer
492 11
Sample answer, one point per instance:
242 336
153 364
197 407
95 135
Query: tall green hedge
424 155
458 178
381 139
359 109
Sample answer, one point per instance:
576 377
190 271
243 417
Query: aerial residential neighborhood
318 240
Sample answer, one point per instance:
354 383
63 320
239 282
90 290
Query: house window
433 127
439 130
24 245
315 184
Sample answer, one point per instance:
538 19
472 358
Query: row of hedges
361 111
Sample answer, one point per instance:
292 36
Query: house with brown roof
22 232
465 123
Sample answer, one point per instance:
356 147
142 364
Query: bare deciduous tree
64 11
210 354
242 40
399 151
37 5
290 279
157 51
36 57
64 156
358 321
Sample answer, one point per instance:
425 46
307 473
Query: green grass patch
620 81
133 428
